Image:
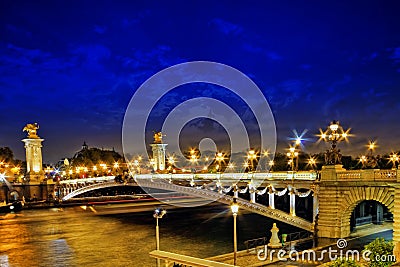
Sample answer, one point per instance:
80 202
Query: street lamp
219 158
293 154
235 210
312 162
137 165
394 158
333 135
231 166
251 156
153 165
158 214
171 162
371 146
363 160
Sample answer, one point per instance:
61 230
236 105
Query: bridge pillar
252 195
329 222
271 196
292 202
159 156
315 203
396 219
34 170
235 192
37 188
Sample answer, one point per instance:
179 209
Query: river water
75 237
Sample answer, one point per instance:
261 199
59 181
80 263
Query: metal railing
363 220
290 238
255 243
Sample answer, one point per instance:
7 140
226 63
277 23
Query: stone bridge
340 191
336 192
205 194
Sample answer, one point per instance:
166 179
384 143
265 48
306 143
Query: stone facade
340 191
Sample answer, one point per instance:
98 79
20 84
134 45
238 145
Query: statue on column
158 138
32 130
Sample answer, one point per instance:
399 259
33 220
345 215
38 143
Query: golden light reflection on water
74 237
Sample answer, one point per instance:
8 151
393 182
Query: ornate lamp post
371 147
334 134
158 214
369 160
193 159
271 164
251 156
219 158
394 158
231 166
292 155
235 210
312 162
137 165
363 160
171 162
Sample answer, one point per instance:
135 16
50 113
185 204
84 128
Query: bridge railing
367 175
252 244
385 174
302 175
89 180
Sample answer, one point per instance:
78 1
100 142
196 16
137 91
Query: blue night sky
73 66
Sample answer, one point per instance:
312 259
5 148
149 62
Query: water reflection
74 237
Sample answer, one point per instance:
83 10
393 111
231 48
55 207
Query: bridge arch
356 195
206 194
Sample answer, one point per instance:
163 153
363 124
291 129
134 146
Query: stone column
292 196
252 195
271 196
315 203
34 169
159 156
329 199
235 191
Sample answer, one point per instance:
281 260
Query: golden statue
32 130
158 138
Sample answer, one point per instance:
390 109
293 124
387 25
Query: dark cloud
226 27
73 67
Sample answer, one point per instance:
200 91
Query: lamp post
369 160
219 157
171 162
231 166
363 160
371 147
312 162
158 214
334 134
235 209
292 155
394 158
251 156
